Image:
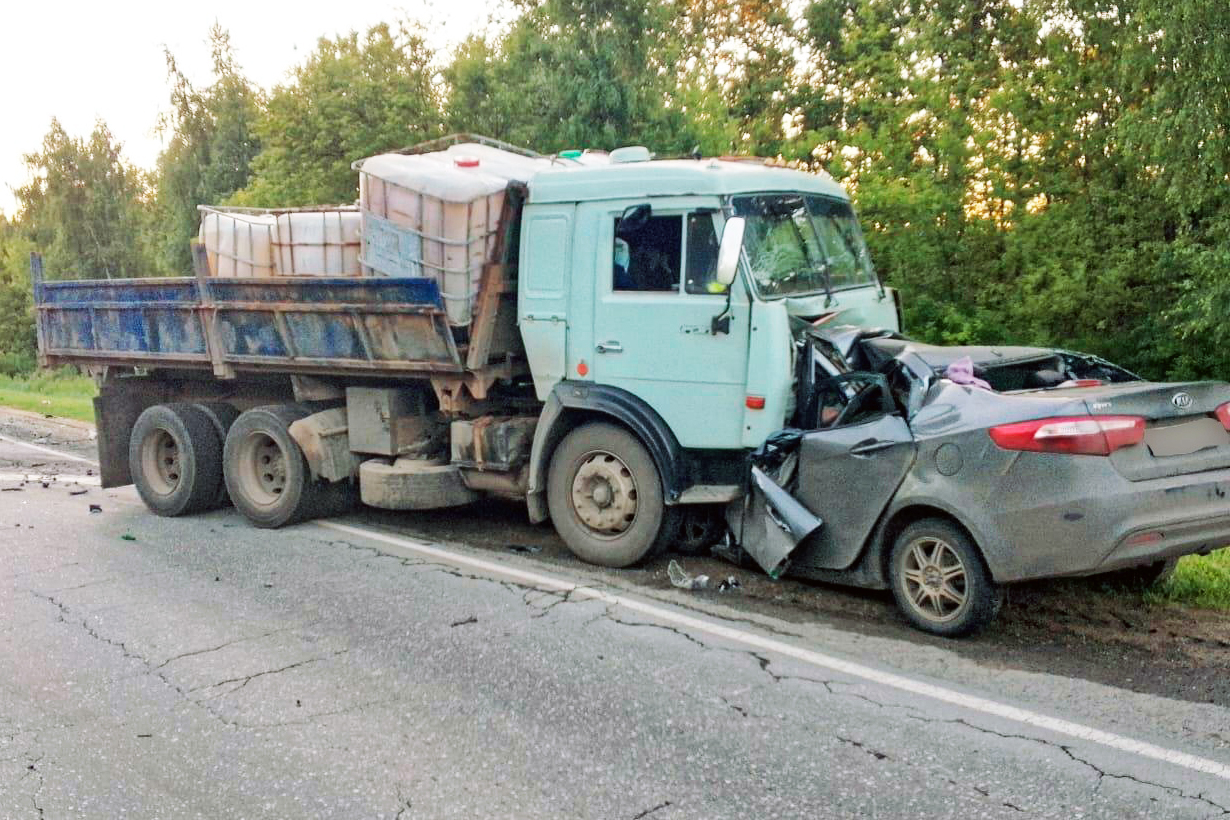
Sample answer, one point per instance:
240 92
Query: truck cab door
652 335
848 474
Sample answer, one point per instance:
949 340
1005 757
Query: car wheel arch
895 523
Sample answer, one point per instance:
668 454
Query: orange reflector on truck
755 402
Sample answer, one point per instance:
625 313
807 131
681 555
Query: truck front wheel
175 457
605 495
266 475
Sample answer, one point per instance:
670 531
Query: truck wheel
175 458
267 476
605 496
222 416
939 580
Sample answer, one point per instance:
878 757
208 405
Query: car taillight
1078 435
1223 415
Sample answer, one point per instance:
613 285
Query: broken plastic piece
127 537
94 508
729 584
524 548
682 580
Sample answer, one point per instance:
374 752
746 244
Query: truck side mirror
633 219
728 251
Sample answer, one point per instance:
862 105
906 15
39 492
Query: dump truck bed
310 325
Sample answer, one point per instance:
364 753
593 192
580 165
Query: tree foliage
84 207
574 74
211 143
355 96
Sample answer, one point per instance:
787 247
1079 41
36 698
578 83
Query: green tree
17 343
355 96
84 207
574 74
211 143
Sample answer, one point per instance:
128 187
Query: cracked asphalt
182 668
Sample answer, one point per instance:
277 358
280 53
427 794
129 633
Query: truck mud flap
770 524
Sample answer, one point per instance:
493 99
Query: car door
847 476
654 302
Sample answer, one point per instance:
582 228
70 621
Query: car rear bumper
1112 524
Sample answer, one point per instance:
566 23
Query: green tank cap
571 153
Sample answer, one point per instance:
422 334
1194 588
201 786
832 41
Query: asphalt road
178 668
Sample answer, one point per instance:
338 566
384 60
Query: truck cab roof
673 177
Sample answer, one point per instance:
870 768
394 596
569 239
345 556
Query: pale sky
80 61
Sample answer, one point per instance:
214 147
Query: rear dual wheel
175 457
267 475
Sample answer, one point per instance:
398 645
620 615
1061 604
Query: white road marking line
900 682
58 478
48 450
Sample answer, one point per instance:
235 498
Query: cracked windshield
797 245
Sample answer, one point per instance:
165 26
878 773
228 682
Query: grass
1201 581
62 393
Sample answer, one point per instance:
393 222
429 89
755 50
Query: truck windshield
797 244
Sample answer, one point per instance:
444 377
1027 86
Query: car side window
701 274
649 258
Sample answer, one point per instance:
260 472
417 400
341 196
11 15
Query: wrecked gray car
943 473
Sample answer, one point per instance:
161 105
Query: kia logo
1181 400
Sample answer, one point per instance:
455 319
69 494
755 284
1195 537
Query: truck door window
702 255
650 258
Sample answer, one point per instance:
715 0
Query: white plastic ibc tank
239 244
322 242
436 215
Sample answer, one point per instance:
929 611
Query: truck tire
222 416
940 581
175 457
266 475
605 495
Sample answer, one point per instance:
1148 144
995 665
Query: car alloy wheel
935 579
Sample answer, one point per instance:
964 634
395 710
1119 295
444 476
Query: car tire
700 526
222 416
605 496
175 457
940 581
267 476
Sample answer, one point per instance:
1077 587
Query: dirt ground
1077 628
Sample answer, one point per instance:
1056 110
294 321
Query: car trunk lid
1182 432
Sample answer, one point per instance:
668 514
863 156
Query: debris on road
78 491
731 583
682 580
473 619
95 508
524 548
128 537
10 489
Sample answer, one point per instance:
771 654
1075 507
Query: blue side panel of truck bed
287 324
